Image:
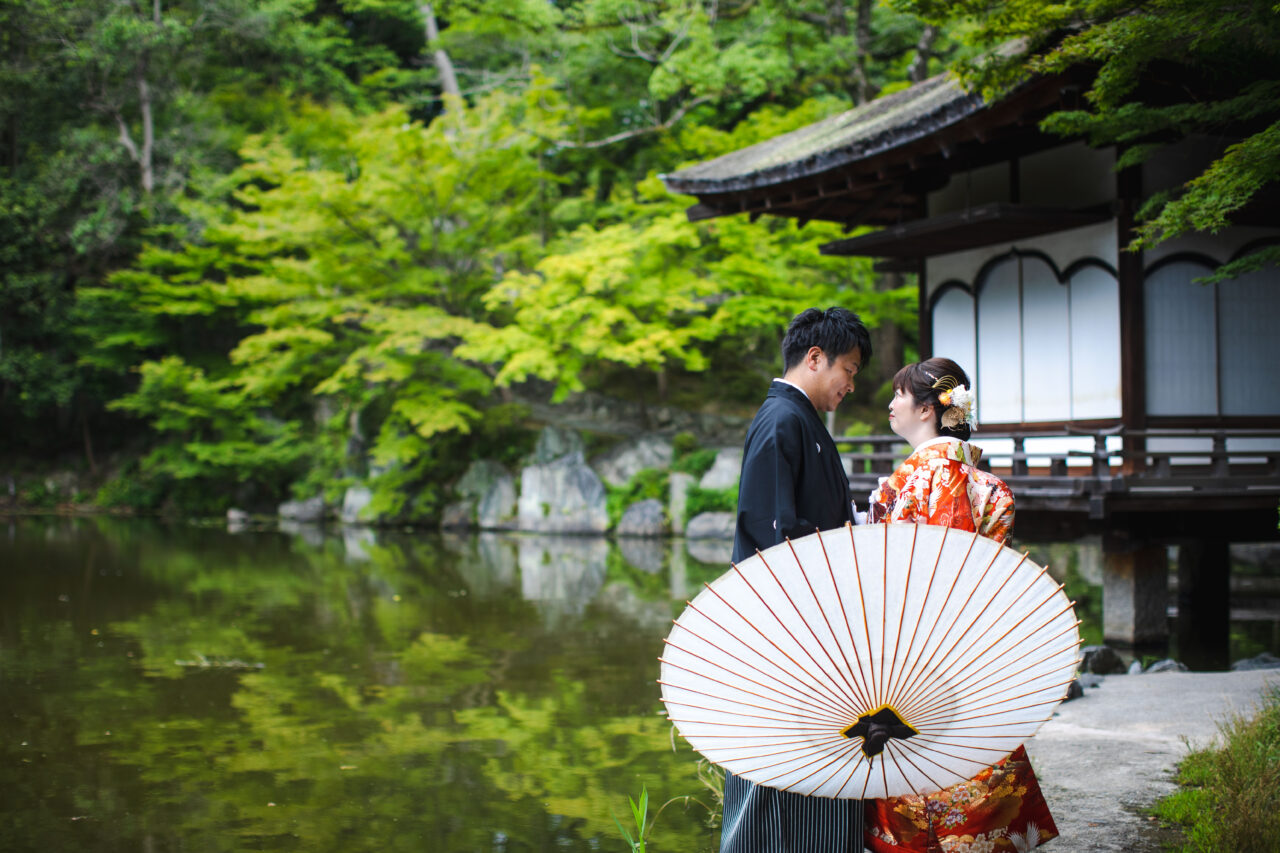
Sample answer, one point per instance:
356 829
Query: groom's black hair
835 331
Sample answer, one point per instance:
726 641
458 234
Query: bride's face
905 414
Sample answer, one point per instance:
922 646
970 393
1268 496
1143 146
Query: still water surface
172 687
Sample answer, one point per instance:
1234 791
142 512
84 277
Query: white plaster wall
1069 176
1065 247
972 188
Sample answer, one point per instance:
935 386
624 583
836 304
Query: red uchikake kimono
1001 809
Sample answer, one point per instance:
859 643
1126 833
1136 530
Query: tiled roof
881 125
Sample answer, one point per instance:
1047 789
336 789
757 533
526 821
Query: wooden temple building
1117 395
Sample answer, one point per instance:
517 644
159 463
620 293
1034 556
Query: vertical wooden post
1135 584
1133 379
1204 604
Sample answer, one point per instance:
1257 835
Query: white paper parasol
870 661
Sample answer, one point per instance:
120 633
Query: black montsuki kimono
792 484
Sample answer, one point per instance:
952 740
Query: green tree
353 263
1165 69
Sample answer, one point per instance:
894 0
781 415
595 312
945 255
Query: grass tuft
1230 797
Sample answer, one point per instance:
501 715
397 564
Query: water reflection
174 687
179 688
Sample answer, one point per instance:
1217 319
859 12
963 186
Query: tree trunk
145 163
863 89
919 69
887 338
448 77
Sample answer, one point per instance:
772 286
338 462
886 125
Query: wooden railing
1218 461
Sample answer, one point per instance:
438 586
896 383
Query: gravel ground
1108 755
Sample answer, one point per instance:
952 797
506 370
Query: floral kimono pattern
940 483
1002 808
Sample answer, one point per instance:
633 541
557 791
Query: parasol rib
839 699
814 682
853 687
993 659
800 616
908 688
803 697
801 688
972 625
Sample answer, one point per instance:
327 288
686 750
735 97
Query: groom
792 484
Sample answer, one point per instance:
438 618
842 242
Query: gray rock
457 516
555 443
1074 690
309 511
711 525
497 507
479 478
1101 660
564 496
678 490
643 553
625 460
1265 660
354 502
1135 668
643 518
1167 665
724 471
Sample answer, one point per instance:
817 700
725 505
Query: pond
176 687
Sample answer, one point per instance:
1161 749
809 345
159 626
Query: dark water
171 687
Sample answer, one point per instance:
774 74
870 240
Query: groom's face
832 378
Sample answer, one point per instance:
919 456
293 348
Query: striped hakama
758 819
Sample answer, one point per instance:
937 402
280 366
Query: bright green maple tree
352 264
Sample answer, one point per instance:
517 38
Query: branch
125 139
640 131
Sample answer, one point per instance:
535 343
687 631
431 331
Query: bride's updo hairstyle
934 382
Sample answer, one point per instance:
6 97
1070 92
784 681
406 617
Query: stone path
1108 755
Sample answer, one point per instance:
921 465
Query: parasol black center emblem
877 728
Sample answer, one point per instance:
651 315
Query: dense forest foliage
262 248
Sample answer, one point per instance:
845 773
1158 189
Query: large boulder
496 509
354 503
310 511
457 516
643 518
625 460
562 496
724 472
711 525
479 478
556 443
488 498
